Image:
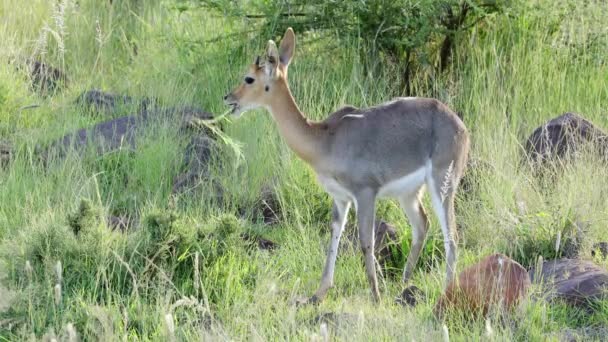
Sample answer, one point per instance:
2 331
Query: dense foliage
418 36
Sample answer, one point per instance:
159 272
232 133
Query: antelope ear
272 59
288 45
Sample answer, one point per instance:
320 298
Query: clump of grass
550 235
85 217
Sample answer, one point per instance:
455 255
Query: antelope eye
249 80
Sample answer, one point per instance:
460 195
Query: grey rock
104 137
600 249
411 296
6 153
197 156
45 78
562 137
576 282
105 102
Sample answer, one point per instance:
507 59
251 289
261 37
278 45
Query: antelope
393 150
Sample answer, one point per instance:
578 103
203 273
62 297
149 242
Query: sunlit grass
509 75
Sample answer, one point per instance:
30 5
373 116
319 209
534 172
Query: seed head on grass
489 331
445 333
71 331
29 271
197 276
57 294
324 332
59 272
170 326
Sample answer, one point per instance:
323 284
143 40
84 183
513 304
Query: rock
109 103
104 102
6 153
411 296
45 78
597 333
105 137
564 136
267 208
494 282
336 319
189 116
122 133
469 183
385 236
600 249
261 243
576 282
195 164
118 223
198 152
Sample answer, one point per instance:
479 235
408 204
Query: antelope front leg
340 211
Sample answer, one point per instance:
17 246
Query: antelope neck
301 137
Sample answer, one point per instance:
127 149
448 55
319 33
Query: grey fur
366 149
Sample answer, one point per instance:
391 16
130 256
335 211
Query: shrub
415 35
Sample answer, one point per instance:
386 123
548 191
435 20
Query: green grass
184 261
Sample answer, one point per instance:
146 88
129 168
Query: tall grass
510 74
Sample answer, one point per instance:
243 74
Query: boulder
385 235
576 282
495 282
104 102
267 208
335 319
562 137
189 117
104 137
109 103
591 333
259 241
123 132
469 183
195 163
45 78
6 153
118 223
411 296
600 250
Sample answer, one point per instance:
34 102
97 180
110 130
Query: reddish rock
496 281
